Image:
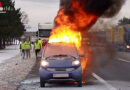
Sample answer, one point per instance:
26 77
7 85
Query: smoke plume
105 8
88 12
78 16
99 8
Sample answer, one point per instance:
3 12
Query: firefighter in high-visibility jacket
22 48
28 47
37 47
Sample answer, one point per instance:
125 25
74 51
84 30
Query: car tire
80 83
42 82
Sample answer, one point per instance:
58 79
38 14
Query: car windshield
60 50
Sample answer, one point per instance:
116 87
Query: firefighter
27 47
22 48
37 47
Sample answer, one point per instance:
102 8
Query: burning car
60 62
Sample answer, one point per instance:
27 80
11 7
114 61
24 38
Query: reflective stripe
22 46
40 41
37 46
27 44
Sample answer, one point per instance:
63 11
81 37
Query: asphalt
110 73
116 70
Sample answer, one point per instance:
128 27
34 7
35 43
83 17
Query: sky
38 11
44 11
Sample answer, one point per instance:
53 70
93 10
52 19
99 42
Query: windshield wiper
60 55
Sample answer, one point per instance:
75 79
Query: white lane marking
120 59
104 82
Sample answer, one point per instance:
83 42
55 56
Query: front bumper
74 75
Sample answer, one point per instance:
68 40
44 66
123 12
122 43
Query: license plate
60 75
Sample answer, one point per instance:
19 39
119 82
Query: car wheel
80 83
42 82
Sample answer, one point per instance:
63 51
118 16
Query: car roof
60 49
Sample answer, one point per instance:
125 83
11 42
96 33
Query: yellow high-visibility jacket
27 45
37 46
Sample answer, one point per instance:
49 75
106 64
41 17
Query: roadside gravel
13 71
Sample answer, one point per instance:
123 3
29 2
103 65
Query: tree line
124 21
11 26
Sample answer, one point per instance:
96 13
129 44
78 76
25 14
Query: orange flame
66 35
68 26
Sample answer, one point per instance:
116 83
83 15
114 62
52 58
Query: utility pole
38 29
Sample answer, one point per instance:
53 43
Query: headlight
44 63
76 63
127 46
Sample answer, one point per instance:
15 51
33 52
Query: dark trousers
28 53
37 51
23 54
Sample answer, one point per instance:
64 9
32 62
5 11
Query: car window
60 49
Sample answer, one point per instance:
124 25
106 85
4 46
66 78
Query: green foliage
124 21
10 22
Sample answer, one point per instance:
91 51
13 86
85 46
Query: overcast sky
44 11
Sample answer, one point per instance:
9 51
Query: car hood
61 62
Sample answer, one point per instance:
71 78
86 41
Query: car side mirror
82 55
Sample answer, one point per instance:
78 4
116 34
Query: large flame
69 25
66 35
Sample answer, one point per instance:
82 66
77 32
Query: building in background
44 30
119 36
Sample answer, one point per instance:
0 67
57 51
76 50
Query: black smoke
102 53
104 8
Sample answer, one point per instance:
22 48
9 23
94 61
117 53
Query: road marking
104 82
120 59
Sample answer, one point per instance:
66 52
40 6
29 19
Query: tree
124 21
11 25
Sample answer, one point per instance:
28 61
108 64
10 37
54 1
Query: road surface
112 75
